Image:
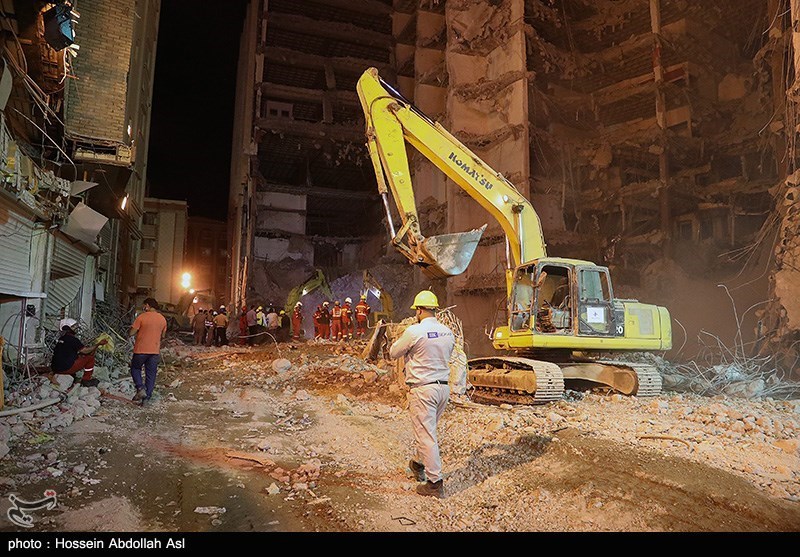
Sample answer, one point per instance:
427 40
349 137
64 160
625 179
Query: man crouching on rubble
70 355
426 347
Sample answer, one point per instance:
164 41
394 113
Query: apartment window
149 218
148 243
145 268
279 110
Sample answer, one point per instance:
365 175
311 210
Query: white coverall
426 348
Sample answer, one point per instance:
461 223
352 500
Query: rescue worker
252 328
220 328
362 316
426 348
325 321
261 317
71 356
336 321
273 322
283 331
243 326
297 321
317 315
199 326
209 336
347 319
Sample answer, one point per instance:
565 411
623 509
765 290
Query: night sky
193 101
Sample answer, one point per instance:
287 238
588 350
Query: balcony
147 256
149 230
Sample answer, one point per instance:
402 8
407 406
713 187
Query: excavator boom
391 121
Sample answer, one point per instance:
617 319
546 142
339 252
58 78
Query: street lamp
186 280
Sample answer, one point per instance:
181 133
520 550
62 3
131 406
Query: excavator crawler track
515 380
649 379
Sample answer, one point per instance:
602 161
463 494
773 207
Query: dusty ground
230 444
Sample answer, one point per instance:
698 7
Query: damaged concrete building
75 126
652 136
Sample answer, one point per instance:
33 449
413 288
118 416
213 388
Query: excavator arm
317 280
391 122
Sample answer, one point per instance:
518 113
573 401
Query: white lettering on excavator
471 172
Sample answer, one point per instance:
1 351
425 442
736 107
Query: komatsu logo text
471 172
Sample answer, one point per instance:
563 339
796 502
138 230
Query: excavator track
648 377
515 380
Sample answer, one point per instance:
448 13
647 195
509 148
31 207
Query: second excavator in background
561 312
316 280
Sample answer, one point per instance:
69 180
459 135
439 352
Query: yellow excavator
316 280
371 284
560 311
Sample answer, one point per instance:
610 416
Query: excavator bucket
448 255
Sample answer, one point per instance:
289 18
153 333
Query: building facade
73 164
207 259
162 250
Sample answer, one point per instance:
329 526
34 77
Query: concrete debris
210 510
281 365
273 489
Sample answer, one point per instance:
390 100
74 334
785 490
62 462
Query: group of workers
342 321
210 327
257 326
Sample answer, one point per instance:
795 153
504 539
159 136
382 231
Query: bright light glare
124 202
186 280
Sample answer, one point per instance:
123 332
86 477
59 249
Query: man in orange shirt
149 328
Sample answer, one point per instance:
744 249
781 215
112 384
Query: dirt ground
230 444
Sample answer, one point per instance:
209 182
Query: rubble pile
744 378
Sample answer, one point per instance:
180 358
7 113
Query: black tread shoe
140 394
417 469
432 489
93 382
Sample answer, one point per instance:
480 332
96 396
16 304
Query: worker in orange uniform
362 314
325 321
336 321
317 315
347 319
297 321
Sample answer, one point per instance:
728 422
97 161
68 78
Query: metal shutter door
66 276
15 250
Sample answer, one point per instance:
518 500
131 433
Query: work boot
417 469
93 382
140 394
432 489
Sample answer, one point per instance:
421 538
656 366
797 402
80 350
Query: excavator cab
554 297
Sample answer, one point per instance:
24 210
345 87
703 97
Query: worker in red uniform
325 321
297 321
362 314
336 321
242 326
317 315
347 319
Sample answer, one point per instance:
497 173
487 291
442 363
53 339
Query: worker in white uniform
426 348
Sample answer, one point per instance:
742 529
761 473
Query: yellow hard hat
425 299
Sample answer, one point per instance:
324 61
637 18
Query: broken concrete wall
487 108
782 315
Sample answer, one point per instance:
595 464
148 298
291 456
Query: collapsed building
653 137
74 129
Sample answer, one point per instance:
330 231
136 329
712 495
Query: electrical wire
51 140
